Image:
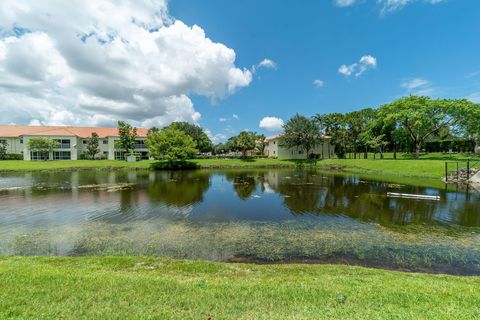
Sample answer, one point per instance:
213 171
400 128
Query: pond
260 216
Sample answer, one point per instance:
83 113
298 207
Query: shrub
174 165
13 156
456 145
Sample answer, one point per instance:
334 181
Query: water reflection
262 215
274 195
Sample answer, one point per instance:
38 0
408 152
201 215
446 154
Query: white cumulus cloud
94 62
267 63
474 97
344 3
365 63
271 123
418 87
388 6
318 83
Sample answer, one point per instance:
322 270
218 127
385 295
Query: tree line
404 125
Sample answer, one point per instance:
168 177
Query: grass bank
138 287
20 165
429 166
405 168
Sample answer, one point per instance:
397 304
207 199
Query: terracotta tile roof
274 137
82 132
278 136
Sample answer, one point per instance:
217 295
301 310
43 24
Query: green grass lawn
405 168
156 288
20 165
429 166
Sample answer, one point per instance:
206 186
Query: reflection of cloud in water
267 188
57 198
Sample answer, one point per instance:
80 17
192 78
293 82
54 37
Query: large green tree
334 126
244 142
127 135
171 145
302 133
41 144
356 123
421 117
260 143
203 142
467 114
92 146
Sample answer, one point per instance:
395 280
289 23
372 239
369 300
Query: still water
263 216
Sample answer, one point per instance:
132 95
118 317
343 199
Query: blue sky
424 48
227 65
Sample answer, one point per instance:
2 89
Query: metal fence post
468 169
457 172
446 171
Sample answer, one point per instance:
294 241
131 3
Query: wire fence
460 170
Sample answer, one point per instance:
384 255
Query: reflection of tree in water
365 200
468 212
178 188
244 183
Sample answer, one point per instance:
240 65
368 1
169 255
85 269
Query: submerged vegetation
433 249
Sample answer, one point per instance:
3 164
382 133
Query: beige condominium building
71 141
275 149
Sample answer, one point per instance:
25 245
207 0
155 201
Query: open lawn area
141 288
20 165
429 166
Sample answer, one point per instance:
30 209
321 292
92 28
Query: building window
85 141
300 152
140 144
38 155
61 155
105 141
21 140
120 155
62 143
273 142
273 152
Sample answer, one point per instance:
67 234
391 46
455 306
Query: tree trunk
417 151
395 151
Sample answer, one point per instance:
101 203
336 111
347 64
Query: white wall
72 149
13 145
77 147
82 147
273 149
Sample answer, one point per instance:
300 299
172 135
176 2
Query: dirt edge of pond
437 269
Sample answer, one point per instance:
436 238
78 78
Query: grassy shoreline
148 287
431 166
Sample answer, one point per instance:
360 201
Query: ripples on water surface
273 215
